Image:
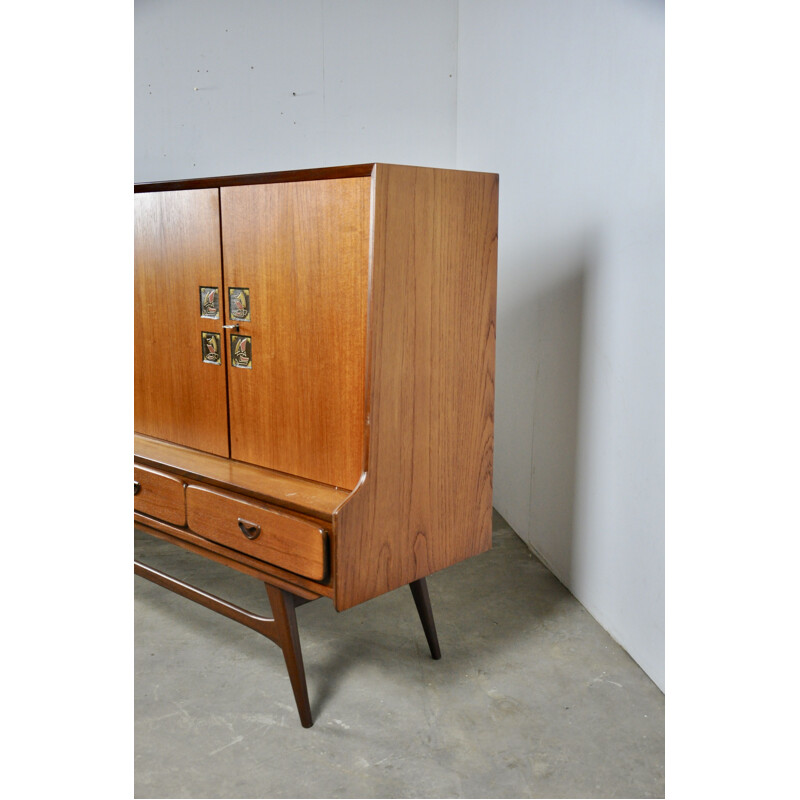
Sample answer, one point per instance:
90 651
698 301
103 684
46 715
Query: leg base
419 590
282 629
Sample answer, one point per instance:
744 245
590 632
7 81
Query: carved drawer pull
250 529
136 487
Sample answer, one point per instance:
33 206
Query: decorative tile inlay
241 353
239 304
212 352
209 302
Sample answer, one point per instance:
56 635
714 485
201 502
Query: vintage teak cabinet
314 382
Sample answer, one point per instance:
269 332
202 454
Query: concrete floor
532 698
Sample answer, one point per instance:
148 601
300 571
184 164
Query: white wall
234 86
564 98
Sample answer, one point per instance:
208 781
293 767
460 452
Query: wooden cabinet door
301 250
180 388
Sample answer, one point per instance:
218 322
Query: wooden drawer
159 495
289 542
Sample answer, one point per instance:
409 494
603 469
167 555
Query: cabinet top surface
321 173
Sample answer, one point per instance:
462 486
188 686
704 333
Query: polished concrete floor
532 698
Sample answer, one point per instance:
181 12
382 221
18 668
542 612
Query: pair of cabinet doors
288 264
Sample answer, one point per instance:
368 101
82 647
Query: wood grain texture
302 249
425 502
287 491
159 495
286 176
247 565
176 251
288 542
373 316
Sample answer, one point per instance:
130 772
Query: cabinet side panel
301 249
178 396
426 500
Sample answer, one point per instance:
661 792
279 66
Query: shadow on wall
544 331
558 330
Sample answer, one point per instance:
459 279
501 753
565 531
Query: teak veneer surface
245 564
287 491
252 178
302 249
426 501
416 445
288 542
159 495
176 250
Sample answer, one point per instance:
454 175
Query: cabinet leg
419 589
283 612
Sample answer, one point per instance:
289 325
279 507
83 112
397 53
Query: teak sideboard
314 382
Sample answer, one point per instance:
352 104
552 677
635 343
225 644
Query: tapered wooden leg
419 589
282 629
283 612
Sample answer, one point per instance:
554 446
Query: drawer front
159 495
257 530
